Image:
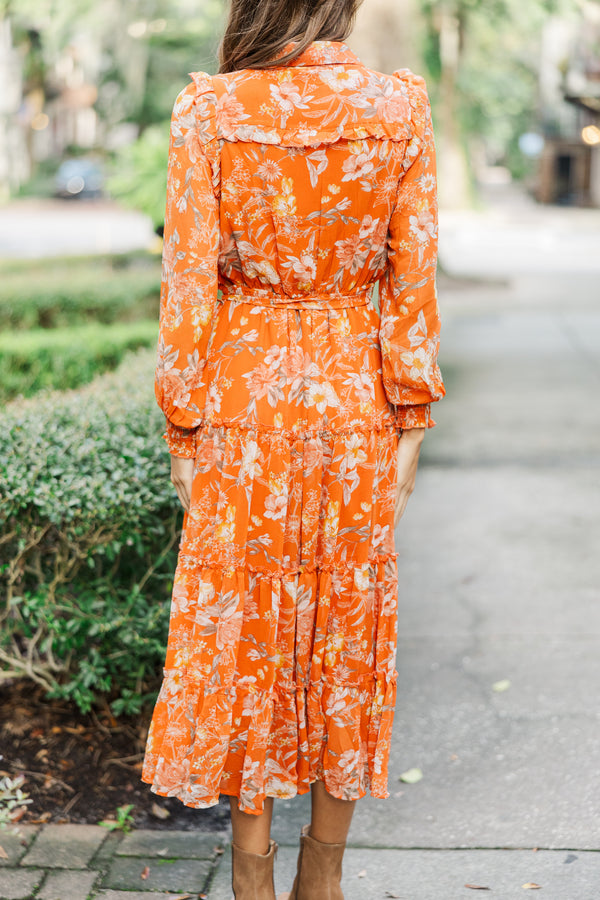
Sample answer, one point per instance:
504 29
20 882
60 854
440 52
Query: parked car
79 178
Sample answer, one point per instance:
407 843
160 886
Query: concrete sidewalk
77 862
80 862
499 583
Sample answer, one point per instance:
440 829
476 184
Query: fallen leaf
145 873
531 885
411 776
395 896
219 850
478 887
500 686
3 853
362 873
17 814
45 816
159 811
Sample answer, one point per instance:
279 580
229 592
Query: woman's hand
182 475
409 447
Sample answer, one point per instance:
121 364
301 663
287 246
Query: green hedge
89 528
73 292
64 358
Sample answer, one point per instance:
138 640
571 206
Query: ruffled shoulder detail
305 108
206 106
415 90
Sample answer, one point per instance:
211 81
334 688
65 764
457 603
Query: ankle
325 837
256 849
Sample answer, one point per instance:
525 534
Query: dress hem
279 795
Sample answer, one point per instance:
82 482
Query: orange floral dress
292 192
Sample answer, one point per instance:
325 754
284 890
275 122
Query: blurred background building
570 109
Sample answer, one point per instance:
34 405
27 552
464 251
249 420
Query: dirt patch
80 768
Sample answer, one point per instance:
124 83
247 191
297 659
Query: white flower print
362 382
269 170
418 363
275 356
358 165
213 400
250 462
422 226
339 79
355 452
321 395
288 98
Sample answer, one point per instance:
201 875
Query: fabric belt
310 300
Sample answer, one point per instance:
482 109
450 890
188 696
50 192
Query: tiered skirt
280 666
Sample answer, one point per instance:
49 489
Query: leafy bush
89 525
66 357
52 265
73 292
139 172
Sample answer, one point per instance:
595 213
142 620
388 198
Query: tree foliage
496 67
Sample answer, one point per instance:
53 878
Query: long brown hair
258 30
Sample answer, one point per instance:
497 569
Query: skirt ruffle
260 721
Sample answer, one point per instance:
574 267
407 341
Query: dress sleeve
410 323
189 277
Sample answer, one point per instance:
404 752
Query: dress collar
321 53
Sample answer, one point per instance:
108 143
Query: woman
298 179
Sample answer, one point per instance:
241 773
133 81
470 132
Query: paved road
31 228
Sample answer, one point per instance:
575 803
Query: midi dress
292 192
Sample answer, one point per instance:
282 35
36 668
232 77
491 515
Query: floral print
292 192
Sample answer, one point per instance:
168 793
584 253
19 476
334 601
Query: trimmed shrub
76 292
65 358
89 529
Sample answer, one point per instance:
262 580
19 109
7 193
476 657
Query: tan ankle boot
252 874
319 870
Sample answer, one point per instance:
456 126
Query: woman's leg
252 853
322 845
330 817
251 832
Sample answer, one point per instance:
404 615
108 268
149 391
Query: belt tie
309 300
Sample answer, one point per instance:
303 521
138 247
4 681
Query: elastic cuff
180 441
414 416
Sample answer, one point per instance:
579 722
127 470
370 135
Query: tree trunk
387 35
453 182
